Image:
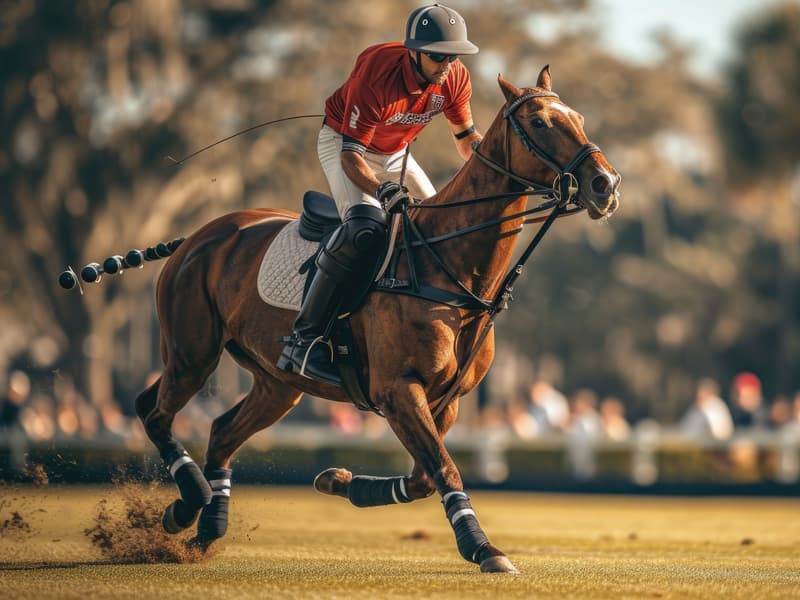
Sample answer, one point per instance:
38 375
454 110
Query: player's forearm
359 172
464 145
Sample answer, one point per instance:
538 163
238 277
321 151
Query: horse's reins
564 189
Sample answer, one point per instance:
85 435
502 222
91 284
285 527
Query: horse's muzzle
603 195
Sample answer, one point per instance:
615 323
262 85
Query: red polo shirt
381 107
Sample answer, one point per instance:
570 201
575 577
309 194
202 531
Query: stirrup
318 339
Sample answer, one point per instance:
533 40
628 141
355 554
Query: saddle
319 217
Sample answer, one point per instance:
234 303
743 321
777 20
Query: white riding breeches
386 167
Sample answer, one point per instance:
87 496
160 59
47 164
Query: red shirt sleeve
361 112
459 111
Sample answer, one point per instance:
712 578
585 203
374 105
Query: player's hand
392 196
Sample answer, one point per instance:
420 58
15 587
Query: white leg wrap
173 468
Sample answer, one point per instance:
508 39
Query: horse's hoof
333 481
177 517
498 564
197 544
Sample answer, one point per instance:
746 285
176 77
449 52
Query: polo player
393 92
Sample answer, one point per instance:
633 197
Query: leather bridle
565 186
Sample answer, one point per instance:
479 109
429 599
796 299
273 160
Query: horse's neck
480 258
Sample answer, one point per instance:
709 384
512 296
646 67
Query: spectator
780 412
795 420
747 401
17 393
113 420
345 418
549 407
38 420
792 424
612 416
521 420
584 430
708 416
67 414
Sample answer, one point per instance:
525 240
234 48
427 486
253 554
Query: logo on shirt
436 103
435 106
411 118
354 117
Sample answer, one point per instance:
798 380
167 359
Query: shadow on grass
57 564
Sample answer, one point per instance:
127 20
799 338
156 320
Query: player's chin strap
416 60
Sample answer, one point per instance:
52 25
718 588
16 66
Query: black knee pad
357 245
369 224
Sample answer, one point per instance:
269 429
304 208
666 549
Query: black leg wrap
183 514
194 488
365 490
469 535
213 523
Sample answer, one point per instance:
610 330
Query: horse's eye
537 122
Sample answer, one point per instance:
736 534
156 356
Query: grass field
295 543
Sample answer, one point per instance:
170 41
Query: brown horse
414 349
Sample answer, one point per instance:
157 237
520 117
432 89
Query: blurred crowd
708 416
543 410
61 414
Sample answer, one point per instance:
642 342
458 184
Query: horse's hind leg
157 407
267 402
187 366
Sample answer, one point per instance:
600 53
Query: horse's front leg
406 408
368 490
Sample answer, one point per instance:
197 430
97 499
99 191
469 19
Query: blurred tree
97 92
628 306
760 110
759 117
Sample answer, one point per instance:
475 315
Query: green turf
295 543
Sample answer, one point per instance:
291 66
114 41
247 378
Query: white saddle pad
279 282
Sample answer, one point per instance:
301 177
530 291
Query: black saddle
319 217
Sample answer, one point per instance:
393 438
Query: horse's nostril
602 185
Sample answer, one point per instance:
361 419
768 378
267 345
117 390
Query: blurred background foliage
696 275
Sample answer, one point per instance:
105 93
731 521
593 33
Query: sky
706 25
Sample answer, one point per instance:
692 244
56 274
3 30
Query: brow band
533 94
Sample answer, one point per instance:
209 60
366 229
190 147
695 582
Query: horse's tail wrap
116 264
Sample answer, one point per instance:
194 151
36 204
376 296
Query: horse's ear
510 91
543 81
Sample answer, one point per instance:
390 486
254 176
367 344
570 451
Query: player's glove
392 196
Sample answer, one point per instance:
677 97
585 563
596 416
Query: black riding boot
345 268
308 354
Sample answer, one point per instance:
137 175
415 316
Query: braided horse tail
93 272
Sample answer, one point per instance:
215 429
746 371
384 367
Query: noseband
565 185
